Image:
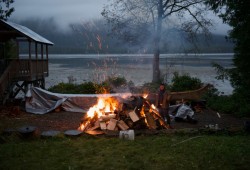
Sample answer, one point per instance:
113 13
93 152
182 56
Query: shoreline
139 74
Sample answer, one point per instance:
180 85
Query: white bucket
127 134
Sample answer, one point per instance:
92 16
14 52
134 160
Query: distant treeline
94 36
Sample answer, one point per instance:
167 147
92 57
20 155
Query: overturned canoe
187 95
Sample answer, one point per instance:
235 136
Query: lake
79 68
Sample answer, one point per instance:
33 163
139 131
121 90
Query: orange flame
104 105
143 115
83 126
153 106
145 95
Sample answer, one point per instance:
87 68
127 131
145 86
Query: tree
5 9
134 19
236 13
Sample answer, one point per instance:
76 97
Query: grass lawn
145 152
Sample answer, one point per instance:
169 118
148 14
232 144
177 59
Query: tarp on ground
39 101
184 111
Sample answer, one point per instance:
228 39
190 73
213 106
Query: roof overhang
18 31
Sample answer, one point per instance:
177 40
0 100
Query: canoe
193 95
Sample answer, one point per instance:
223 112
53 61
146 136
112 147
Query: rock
73 133
27 131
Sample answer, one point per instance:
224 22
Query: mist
63 12
95 37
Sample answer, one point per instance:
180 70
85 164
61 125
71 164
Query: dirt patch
12 117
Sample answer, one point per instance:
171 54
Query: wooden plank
103 125
107 117
150 121
112 124
122 125
134 117
96 125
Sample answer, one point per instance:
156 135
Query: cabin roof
17 30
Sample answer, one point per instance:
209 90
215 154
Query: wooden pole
47 59
36 59
30 66
42 60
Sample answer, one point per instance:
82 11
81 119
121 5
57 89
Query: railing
32 69
23 70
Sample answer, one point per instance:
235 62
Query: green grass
145 152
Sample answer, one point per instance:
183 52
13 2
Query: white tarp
39 101
184 111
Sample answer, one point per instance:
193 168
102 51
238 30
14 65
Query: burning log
156 113
162 122
135 113
96 125
150 121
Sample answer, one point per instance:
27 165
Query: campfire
135 112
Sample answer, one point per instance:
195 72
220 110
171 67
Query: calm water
197 60
135 67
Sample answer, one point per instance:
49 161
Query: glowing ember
143 115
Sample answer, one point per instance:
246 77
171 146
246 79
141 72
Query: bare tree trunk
157 39
156 63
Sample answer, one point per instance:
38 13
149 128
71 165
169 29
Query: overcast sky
64 11
71 11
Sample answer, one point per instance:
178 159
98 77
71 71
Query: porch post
30 64
36 60
47 59
42 60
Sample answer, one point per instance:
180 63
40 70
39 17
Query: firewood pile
135 112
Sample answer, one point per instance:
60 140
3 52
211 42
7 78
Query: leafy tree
5 9
236 13
137 19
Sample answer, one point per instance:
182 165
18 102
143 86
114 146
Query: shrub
68 88
115 81
231 104
89 87
185 82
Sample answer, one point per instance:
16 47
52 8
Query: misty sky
71 11
63 11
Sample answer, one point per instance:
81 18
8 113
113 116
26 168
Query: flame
145 95
143 115
153 106
104 105
154 109
83 126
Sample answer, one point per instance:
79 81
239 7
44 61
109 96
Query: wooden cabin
23 59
